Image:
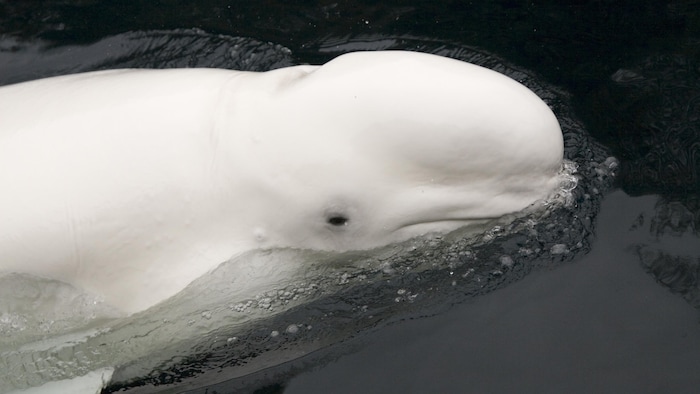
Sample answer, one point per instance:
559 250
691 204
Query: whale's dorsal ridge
288 76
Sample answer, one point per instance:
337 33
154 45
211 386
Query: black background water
598 324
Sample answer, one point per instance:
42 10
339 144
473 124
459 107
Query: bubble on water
506 261
292 329
558 249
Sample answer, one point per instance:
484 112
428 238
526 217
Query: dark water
621 318
597 325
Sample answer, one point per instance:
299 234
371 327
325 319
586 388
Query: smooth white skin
132 183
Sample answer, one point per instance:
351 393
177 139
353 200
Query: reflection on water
672 254
654 123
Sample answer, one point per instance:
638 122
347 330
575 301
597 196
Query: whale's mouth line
452 223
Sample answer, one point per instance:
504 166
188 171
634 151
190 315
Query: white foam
93 382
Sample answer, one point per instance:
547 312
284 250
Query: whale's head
377 147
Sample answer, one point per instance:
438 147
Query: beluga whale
129 184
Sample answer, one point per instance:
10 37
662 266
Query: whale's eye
338 213
337 220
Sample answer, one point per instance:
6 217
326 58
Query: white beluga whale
130 184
